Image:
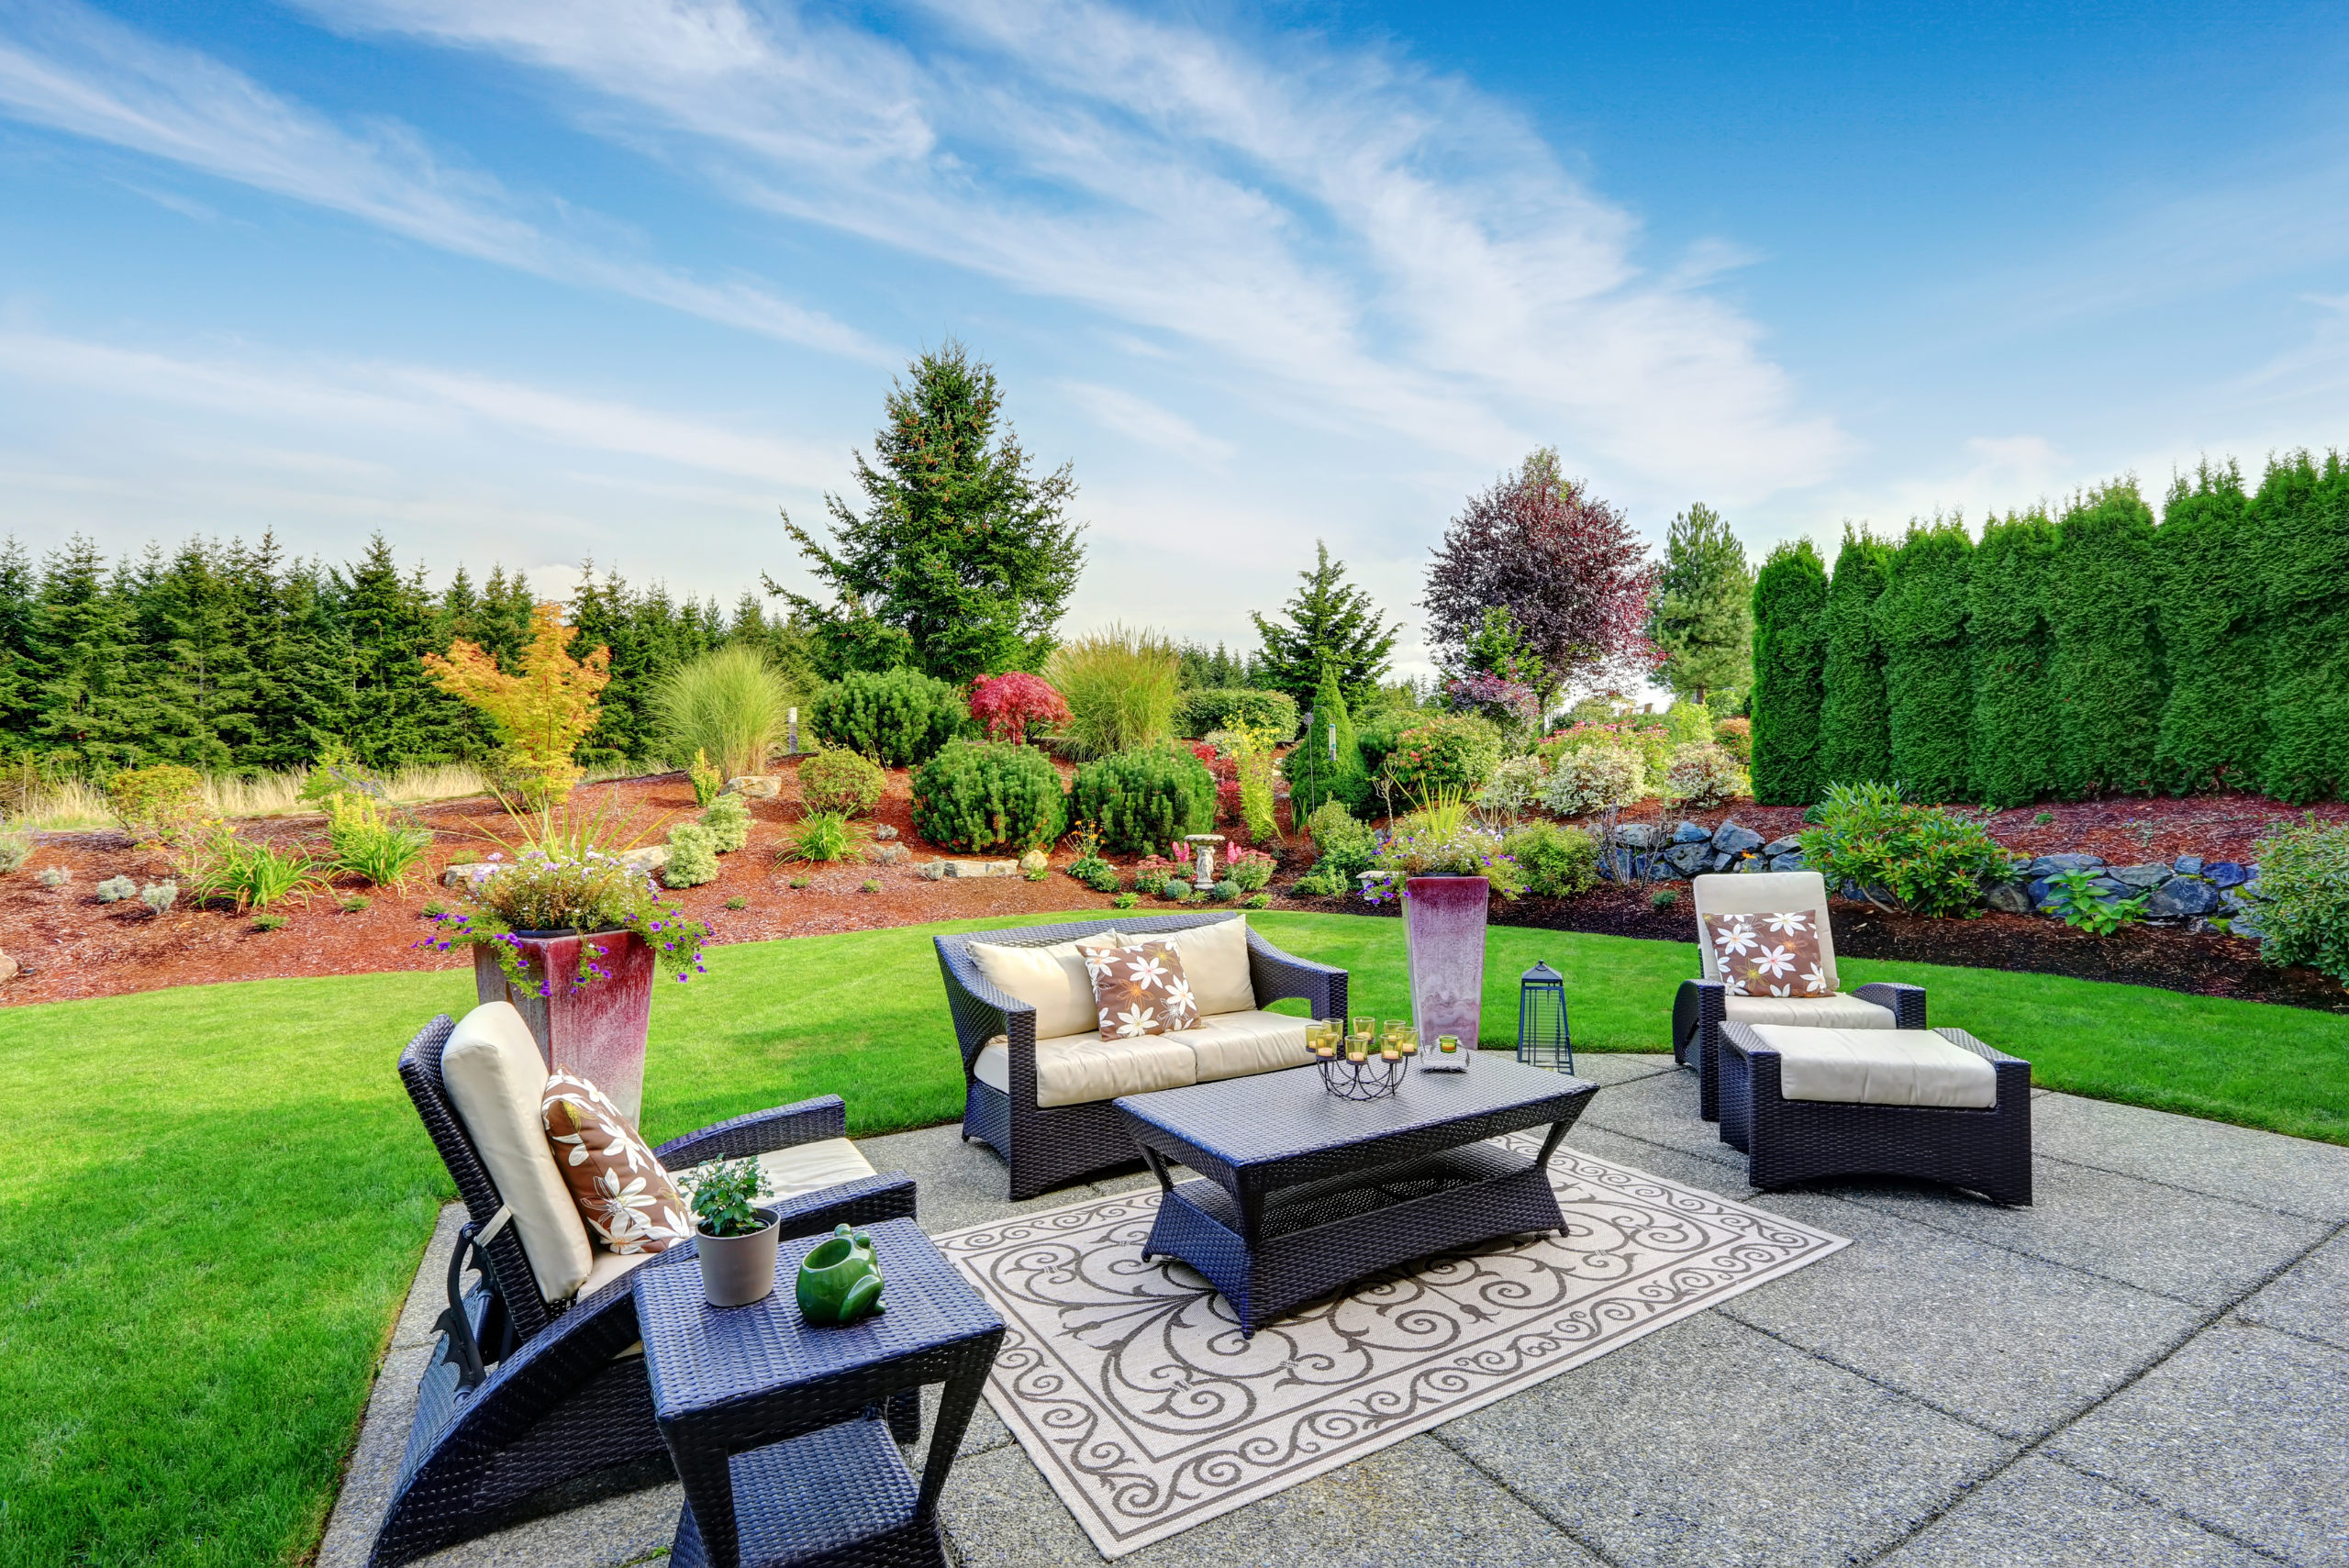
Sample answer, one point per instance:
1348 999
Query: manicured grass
221 1192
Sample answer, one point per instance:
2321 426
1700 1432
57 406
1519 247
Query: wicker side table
770 1420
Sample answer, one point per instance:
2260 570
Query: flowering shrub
1516 783
1927 859
1650 739
1443 753
1511 705
1735 736
1558 862
598 894
1595 778
1151 871
1006 704
1704 776
1251 868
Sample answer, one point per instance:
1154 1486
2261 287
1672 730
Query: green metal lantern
1542 1036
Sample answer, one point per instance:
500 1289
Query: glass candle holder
1363 1024
1407 1040
1449 1044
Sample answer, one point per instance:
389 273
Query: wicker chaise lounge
531 1404
1041 1097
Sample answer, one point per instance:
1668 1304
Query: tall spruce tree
83 650
1927 667
1327 765
2109 681
19 674
1703 614
1790 673
1855 722
960 548
2015 734
2302 524
2213 626
397 715
1330 621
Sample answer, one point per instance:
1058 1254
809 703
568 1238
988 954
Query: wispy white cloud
1146 422
71 67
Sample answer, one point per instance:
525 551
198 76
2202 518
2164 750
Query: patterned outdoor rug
1131 1387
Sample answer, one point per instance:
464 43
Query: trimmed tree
1329 622
2302 515
2213 626
1928 668
1854 724
1790 673
1703 613
2015 730
1327 765
2108 656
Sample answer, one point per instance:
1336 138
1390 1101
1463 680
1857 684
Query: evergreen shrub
841 781
1443 753
1558 862
984 794
1229 707
2015 735
1595 778
2303 897
1327 764
1145 798
2213 628
1345 845
693 856
728 821
1376 735
157 802
2303 532
1855 722
1928 860
1703 777
898 718
1921 623
1790 673
2108 672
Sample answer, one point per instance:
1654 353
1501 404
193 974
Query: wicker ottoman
1933 1104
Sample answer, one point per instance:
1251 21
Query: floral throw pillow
627 1199
1141 990
1770 954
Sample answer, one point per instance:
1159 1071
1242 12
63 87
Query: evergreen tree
20 673
2302 523
81 651
2109 684
960 548
2015 736
1330 621
1854 721
1327 765
304 668
1927 667
397 715
1703 613
1790 673
2213 628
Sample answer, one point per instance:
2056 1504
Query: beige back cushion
1762 893
496 1079
1215 960
1052 980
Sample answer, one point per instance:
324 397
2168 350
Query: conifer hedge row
2098 652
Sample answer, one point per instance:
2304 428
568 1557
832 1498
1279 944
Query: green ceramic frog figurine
839 1280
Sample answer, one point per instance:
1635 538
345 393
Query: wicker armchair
1703 1006
527 1406
1048 1147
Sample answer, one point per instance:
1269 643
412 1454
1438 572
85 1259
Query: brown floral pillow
1770 954
1141 990
627 1199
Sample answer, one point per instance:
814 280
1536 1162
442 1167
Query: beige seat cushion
1233 1045
1879 1067
495 1079
1762 893
1052 980
811 1167
1215 960
1809 1012
610 1267
1079 1069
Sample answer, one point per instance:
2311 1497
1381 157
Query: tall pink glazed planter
596 1031
1444 938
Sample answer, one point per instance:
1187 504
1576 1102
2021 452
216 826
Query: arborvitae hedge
1854 725
2011 749
1790 673
2302 521
1920 625
2213 624
2108 654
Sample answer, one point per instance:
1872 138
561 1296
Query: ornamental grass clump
729 705
1121 686
592 893
841 781
2303 897
821 836
366 846
254 875
1924 858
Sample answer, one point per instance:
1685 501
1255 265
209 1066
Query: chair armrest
1907 1003
1740 1039
981 1012
2013 1072
1696 1003
760 1132
1274 974
868 1200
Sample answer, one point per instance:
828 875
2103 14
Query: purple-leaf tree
1564 563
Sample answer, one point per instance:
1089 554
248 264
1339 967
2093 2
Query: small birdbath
1203 848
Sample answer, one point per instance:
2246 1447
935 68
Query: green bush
156 802
1144 800
1928 666
2013 743
252 875
1855 723
2073 898
1703 776
1229 707
15 849
2302 515
1251 869
1224 891
1094 873
1595 778
1377 733
984 794
1930 860
1790 673
1558 862
1322 882
2214 636
728 705
728 821
1328 763
693 856
2108 659
1346 845
899 718
1443 753
841 781
2303 897
1735 736
1120 688
1688 724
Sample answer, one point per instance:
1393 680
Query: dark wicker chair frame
1701 1009
526 1408
1787 1142
1052 1147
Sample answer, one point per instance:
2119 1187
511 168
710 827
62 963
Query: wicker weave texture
1701 1008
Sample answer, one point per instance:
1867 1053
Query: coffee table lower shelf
1313 1238
838 1496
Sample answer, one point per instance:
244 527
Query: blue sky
536 281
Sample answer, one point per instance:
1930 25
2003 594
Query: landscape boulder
471 876
1636 835
1789 845
756 786
2188 865
888 854
2182 896
2224 874
2047 866
2010 897
1688 857
1789 861
1034 860
8 967
2141 877
1732 840
885 831
1689 833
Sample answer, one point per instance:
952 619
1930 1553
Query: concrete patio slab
2266 1170
1612 1067
2246 1430
2044 1514
2311 1297
1661 1110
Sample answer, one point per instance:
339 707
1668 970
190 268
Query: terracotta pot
596 1031
737 1270
1444 941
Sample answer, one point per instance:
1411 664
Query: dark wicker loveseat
1047 1147
526 1407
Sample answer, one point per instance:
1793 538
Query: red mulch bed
72 945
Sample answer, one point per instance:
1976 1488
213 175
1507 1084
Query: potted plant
1445 868
733 1237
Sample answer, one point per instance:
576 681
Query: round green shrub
693 856
1145 799
728 821
1346 843
1443 753
984 794
1558 862
1703 776
1375 735
841 781
1224 891
899 718
1227 708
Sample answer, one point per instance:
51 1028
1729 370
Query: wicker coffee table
1303 1192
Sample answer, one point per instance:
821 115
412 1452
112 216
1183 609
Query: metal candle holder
1373 1078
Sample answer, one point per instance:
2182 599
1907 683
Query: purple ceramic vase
596 1031
1444 941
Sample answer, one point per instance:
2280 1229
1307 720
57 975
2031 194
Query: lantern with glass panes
1542 1038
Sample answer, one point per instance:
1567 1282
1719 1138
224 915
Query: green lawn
220 1191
